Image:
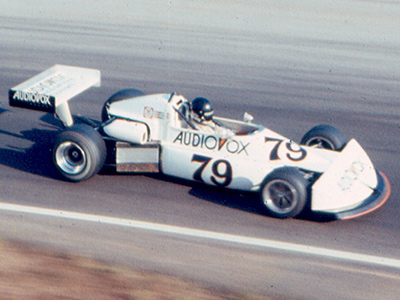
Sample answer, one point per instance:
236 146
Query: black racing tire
324 136
79 152
284 193
118 96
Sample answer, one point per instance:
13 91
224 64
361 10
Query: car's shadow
37 158
244 201
249 202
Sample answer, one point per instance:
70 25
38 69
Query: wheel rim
280 197
70 158
321 142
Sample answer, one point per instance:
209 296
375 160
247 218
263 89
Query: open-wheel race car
166 133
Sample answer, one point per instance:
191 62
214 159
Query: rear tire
118 96
324 136
79 152
284 193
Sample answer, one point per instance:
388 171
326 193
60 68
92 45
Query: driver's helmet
202 109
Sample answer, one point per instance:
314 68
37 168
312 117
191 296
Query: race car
165 133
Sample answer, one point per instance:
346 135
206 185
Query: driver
202 114
202 109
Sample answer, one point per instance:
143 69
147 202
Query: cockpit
184 119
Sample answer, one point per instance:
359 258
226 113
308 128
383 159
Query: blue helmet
203 109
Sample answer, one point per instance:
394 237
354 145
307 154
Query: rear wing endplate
50 90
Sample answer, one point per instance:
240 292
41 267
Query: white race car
165 133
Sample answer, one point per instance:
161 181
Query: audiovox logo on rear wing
31 100
51 90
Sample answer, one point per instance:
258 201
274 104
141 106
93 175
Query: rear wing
50 90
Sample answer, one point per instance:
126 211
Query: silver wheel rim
279 196
70 158
320 142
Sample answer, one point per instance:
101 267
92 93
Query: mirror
248 117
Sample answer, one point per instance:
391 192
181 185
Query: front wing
379 196
351 186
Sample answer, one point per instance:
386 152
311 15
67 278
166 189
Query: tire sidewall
92 144
296 179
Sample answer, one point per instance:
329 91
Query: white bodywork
241 154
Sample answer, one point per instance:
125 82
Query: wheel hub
70 158
319 142
279 196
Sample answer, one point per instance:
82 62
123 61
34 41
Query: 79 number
219 178
293 154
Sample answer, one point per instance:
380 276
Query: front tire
324 136
79 152
284 193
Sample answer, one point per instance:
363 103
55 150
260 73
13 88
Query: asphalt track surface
292 66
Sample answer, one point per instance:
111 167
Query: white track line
323 252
